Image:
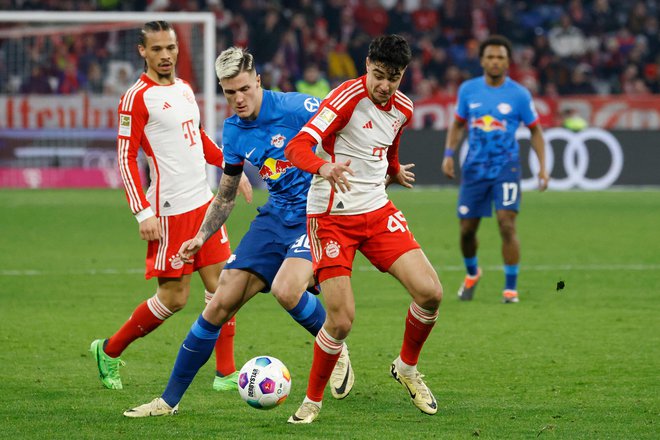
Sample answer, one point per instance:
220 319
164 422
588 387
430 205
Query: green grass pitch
582 362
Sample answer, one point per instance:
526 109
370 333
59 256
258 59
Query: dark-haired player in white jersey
358 128
160 115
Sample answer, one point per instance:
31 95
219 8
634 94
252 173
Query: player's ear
258 80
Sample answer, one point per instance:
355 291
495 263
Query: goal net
61 77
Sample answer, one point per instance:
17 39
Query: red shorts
162 259
382 236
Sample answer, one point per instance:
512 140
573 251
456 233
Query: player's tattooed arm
221 207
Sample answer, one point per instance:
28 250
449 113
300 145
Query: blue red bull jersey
492 115
261 142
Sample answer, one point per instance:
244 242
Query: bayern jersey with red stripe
164 120
350 126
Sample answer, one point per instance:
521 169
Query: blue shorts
268 242
476 196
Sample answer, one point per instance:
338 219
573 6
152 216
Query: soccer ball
264 382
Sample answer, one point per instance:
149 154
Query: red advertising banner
99 112
611 112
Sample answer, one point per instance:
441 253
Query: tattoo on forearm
221 207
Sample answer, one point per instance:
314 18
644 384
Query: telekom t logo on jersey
379 151
189 131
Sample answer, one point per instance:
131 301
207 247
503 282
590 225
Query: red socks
326 352
419 324
224 349
145 318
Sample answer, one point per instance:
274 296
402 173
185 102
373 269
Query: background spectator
313 83
371 17
565 39
615 43
37 82
340 64
120 78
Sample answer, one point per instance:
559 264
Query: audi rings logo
575 159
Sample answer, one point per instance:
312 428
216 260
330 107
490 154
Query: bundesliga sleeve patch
323 120
125 125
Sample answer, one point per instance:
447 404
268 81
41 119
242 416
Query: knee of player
438 293
176 303
286 294
174 298
339 326
429 293
507 230
468 235
217 313
435 293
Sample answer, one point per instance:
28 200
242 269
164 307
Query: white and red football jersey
165 122
349 125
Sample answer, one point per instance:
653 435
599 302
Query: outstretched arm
221 207
216 215
299 152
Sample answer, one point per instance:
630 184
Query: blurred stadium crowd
562 47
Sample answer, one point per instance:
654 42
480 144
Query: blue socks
511 276
471 265
198 345
309 313
194 352
510 272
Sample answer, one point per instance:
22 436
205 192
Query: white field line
361 268
37 273
545 267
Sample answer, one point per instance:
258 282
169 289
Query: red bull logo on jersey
277 141
274 168
488 123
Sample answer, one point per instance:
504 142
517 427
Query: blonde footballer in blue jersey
492 107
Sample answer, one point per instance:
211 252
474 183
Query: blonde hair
233 61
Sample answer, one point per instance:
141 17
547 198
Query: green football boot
226 383
108 366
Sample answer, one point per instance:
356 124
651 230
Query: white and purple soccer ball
264 382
